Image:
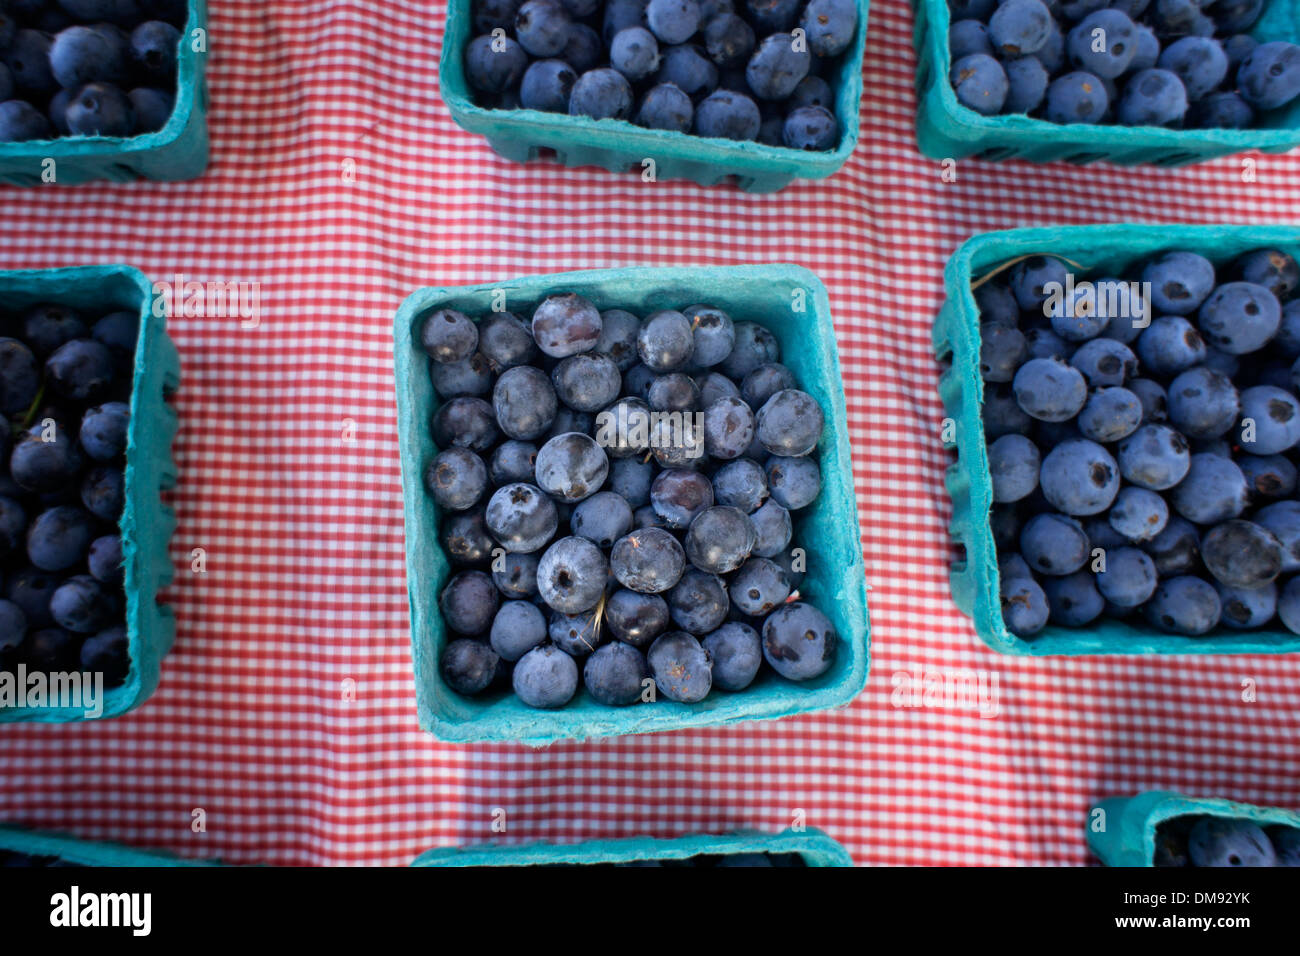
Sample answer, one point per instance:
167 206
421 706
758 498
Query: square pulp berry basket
79 852
177 151
975 582
620 146
828 530
945 128
147 523
1126 834
816 848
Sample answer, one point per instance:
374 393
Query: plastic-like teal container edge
816 848
1129 834
830 532
87 852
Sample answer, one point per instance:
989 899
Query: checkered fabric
305 583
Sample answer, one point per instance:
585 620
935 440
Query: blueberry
80 371
980 83
1170 345
1073 600
1247 608
1002 350
799 641
681 668
772 16
1271 476
470 377
790 423
545 677
546 86
468 666
107 653
464 536
1213 491
737 654
465 423
1240 317
742 484
13 525
615 673
729 40
565 325
456 478
567 420
515 575
1270 420
20 378
1242 554
521 518
754 346
729 428
1271 268
1013 466
31 589
583 49
996 304
1054 544
673 21
1202 403
1199 62
727 114
686 67
1286 843
28 59
1153 97
648 561
103 492
571 575
1180 282
777 66
448 336
575 634
1288 605
571 467
1052 53
490 14
86 54
469 602
603 518
634 53
1050 390
698 603
1077 97
1224 841
623 429
1024 605
100 109
506 340
104 560
1269 76
1283 520
1184 605
1079 477
1155 456
1237 47
759 587
1129 578
1148 48
82 605
715 385
619 15
13 628
586 382
1221 362
720 539
46 327
1027 81
1180 18
665 341
636 618
829 26
1105 362
601 93
1110 415
673 392
58 538
1138 514
665 107
772 528
541 27
1117 38
794 483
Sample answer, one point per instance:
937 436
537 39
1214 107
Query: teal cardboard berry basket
816 848
147 523
974 577
621 146
69 849
947 129
1121 831
828 530
177 151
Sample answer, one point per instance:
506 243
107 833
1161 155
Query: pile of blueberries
65 389
708 67
87 67
1225 841
1143 454
617 493
1175 63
